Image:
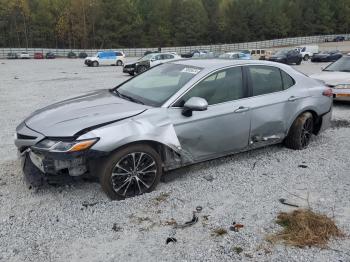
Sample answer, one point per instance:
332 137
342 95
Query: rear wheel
119 63
306 57
95 64
300 133
131 171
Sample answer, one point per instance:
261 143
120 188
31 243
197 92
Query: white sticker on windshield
190 70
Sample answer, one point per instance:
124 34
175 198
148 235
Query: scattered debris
193 221
238 250
303 166
117 228
86 204
161 198
170 222
16 77
235 227
2 183
209 178
171 239
340 123
199 209
284 202
303 227
219 232
248 255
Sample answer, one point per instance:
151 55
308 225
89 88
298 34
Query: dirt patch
340 124
303 227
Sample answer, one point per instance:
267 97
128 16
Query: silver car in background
173 115
337 76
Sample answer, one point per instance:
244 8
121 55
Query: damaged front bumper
40 163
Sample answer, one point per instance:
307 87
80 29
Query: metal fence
137 52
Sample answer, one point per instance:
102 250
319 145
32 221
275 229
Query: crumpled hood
333 78
67 118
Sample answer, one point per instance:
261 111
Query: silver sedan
173 115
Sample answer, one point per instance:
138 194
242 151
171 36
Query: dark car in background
71 54
148 61
339 38
38 55
83 55
327 56
194 53
50 55
287 57
12 56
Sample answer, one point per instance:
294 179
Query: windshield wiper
128 97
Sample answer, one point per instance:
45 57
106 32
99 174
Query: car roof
218 63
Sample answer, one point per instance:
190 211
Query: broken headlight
66 146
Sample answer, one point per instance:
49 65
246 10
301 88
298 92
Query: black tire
299 62
141 69
132 73
306 57
95 64
136 181
119 63
300 133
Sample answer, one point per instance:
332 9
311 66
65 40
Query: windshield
342 65
157 85
146 57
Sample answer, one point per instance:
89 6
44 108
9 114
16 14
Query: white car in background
24 55
337 76
308 51
106 58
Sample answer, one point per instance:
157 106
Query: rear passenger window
288 81
265 79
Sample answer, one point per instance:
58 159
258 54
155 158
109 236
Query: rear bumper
341 94
326 121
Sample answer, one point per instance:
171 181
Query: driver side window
220 87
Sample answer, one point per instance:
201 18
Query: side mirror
194 104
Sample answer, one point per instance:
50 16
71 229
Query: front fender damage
159 132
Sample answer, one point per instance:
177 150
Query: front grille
25 137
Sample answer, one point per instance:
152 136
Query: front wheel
131 171
306 57
299 62
300 133
95 64
141 69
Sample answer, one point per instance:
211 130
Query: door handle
241 109
292 98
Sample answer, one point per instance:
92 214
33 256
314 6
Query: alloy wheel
306 132
134 174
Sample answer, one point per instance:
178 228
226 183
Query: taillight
328 92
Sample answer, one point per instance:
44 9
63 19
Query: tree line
154 23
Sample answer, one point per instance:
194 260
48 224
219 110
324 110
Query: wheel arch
316 117
171 157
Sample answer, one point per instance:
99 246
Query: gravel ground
76 222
